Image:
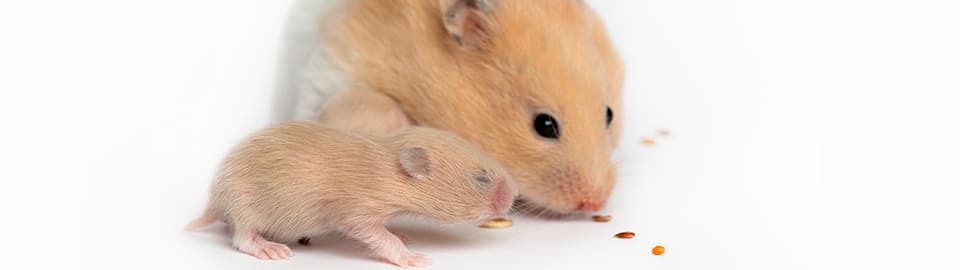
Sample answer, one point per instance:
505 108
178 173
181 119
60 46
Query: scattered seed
658 250
497 223
649 142
602 218
625 235
665 133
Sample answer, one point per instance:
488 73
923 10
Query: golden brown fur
369 112
484 70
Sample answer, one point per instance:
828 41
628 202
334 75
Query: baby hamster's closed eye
482 179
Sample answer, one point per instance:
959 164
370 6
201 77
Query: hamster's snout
589 196
582 194
591 204
503 197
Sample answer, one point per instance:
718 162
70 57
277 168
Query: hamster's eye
609 116
547 126
483 179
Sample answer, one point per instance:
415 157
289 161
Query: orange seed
658 250
602 218
497 223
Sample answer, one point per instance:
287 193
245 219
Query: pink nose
590 205
502 199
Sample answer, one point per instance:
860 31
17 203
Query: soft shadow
338 245
421 236
219 232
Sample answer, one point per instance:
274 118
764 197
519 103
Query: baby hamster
300 179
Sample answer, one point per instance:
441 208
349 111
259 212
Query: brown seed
649 142
665 133
659 250
497 223
625 235
602 218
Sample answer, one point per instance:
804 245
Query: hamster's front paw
410 259
417 260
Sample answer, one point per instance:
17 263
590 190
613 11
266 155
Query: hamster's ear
415 162
470 23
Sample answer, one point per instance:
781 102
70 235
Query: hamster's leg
387 245
364 111
251 242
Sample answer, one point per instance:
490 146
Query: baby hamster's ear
469 22
415 162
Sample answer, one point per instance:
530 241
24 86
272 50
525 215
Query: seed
497 223
625 235
602 218
658 250
665 133
649 142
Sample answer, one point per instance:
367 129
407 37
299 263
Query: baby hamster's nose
502 199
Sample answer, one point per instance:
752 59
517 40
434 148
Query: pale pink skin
302 179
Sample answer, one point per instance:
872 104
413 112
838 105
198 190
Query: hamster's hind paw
252 243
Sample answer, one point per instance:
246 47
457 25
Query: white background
807 134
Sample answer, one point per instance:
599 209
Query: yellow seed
625 235
659 250
602 218
649 142
497 223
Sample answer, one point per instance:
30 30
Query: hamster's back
288 171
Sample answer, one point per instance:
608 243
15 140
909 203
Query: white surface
808 134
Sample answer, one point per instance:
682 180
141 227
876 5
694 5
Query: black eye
546 126
609 116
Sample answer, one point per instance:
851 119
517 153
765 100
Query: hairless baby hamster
300 179
535 84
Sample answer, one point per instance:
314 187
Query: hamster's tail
206 219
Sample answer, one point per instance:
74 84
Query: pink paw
271 251
417 260
411 260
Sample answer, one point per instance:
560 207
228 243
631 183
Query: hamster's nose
590 205
502 199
